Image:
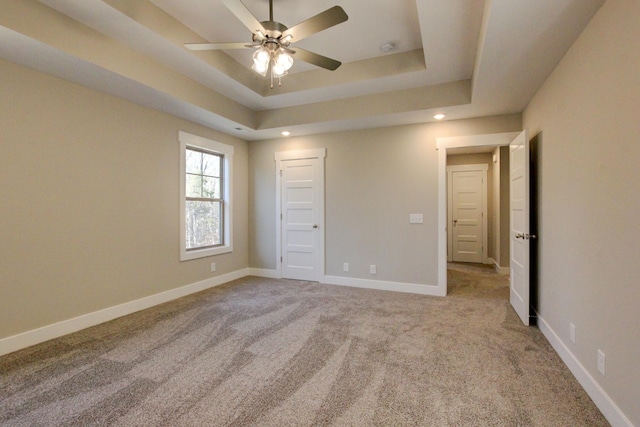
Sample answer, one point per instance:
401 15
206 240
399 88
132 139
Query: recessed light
439 116
286 133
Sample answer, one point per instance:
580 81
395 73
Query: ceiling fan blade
315 24
217 46
242 13
315 59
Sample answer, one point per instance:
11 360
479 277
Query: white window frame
188 140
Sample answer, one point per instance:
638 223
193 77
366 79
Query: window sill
202 253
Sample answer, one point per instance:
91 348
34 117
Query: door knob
525 236
315 225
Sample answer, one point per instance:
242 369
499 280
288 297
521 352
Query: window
205 197
204 216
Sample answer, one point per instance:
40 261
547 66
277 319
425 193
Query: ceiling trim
415 99
478 58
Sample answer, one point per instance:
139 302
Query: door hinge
280 217
280 172
280 259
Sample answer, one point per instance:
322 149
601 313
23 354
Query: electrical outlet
213 267
572 332
601 360
345 266
372 269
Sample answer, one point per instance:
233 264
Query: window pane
194 161
194 185
211 165
203 224
211 187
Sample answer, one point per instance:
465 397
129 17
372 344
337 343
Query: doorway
445 146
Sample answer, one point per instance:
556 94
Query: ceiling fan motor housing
274 34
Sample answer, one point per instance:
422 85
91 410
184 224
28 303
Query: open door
519 174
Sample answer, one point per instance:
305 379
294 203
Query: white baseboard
262 272
65 327
360 283
498 269
609 409
384 286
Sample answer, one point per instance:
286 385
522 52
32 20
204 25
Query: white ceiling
466 58
350 41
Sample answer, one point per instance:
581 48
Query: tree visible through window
204 211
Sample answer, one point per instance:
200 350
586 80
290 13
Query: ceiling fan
272 40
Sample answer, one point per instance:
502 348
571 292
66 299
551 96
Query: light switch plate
416 218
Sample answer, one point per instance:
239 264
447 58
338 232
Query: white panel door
301 187
467 215
519 206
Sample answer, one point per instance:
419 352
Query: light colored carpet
262 352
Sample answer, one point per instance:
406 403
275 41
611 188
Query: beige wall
470 159
505 211
89 201
495 218
587 118
500 178
374 180
495 204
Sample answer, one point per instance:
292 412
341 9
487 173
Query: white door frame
279 157
442 144
485 232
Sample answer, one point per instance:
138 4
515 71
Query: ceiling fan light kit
272 40
277 59
282 62
261 59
